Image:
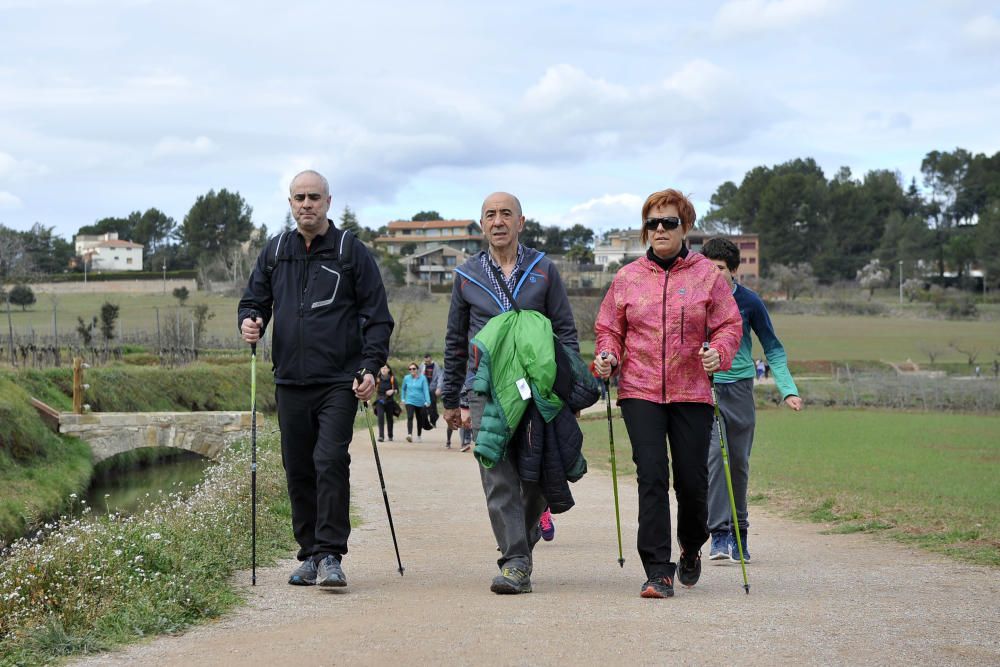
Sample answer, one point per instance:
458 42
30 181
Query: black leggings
686 428
412 410
385 418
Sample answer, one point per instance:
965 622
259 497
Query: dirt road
814 599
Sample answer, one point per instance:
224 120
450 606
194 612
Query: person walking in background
734 389
652 324
759 369
320 290
417 398
433 373
386 407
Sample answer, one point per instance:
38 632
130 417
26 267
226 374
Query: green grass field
925 479
806 337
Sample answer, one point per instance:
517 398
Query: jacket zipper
682 325
663 350
302 314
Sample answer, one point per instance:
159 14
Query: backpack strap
345 252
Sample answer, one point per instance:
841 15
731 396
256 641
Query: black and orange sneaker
689 568
658 587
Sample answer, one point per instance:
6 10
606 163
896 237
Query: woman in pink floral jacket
653 320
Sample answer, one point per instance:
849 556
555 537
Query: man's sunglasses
669 223
413 368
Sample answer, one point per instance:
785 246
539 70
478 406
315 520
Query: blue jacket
756 319
414 391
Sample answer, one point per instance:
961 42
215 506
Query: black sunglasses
413 368
669 223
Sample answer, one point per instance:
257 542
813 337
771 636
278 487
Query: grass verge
100 581
926 479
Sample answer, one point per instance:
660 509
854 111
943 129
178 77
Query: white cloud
759 16
984 30
604 212
173 146
9 200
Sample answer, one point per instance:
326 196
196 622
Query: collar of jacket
320 241
472 270
679 263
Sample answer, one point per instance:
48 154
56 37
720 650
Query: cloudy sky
580 108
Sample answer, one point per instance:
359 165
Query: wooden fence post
78 385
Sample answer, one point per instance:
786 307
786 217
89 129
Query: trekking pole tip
621 563
401 568
747 588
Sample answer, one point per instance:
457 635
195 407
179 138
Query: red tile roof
430 224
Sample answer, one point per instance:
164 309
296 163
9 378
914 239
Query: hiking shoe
304 574
420 438
547 526
466 447
658 587
330 574
689 568
511 581
409 438
720 548
736 551
381 439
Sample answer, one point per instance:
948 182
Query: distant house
749 245
462 235
436 264
620 247
105 252
626 245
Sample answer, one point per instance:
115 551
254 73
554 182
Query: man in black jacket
331 325
514 505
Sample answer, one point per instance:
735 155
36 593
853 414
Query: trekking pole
729 479
614 467
253 457
381 478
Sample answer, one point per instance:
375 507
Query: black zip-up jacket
474 302
329 322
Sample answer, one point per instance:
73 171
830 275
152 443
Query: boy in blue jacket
734 389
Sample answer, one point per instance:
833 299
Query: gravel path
814 599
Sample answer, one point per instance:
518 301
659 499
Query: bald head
314 176
502 199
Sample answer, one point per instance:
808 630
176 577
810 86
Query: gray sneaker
304 574
330 574
511 581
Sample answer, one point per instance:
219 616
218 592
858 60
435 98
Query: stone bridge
110 433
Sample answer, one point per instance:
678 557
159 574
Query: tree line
840 225
831 228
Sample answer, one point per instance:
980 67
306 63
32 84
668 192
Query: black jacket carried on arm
330 317
473 302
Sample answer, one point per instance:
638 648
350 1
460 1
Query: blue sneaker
329 573
735 550
720 548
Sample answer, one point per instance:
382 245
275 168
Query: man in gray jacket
514 506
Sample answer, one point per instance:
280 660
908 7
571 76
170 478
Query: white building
104 252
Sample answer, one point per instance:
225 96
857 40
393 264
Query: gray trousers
739 416
514 506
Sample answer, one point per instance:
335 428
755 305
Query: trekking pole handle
253 318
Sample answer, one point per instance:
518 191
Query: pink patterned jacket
655 321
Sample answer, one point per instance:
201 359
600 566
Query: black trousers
686 428
316 426
411 412
385 418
